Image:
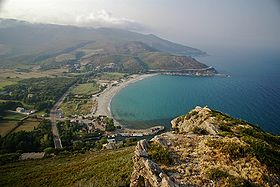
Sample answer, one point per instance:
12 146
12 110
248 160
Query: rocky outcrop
146 172
208 148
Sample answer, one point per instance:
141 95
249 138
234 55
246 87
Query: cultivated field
112 76
4 83
9 121
85 89
28 125
77 106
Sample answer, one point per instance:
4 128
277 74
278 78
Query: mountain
23 43
208 148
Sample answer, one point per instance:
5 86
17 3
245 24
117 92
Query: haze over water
252 92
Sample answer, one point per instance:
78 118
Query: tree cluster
42 92
33 141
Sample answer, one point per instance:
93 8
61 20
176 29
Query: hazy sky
198 23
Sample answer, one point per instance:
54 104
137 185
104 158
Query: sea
251 92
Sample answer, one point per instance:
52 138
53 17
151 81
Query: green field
9 121
98 169
77 106
6 126
28 125
5 83
85 89
112 76
13 116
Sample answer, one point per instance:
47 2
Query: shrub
198 130
8 158
234 150
159 154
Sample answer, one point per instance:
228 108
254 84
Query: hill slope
208 148
105 168
54 46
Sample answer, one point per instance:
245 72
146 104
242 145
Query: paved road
53 115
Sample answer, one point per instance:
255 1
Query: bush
49 150
159 154
234 150
201 131
8 158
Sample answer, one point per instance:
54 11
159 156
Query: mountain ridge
208 148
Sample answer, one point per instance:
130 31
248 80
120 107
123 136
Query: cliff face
208 148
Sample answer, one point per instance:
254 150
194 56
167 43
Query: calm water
252 92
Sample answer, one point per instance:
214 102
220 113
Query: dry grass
15 76
86 89
105 168
6 126
28 125
78 106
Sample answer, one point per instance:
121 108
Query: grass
159 154
86 89
77 106
112 76
6 126
28 125
223 178
9 121
14 76
105 168
12 116
6 83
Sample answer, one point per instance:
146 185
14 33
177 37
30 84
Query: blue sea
252 92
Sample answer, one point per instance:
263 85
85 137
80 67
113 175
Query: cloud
103 18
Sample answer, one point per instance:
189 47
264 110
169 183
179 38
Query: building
20 109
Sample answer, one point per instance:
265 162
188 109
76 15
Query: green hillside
104 168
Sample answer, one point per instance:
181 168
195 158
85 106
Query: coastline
104 99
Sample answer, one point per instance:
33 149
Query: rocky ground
208 148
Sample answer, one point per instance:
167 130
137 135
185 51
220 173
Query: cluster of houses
25 111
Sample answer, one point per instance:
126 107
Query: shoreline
104 99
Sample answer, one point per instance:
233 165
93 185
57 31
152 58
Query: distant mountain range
51 46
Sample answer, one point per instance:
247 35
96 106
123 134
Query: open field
77 106
85 89
13 116
112 76
13 75
5 83
98 169
28 125
6 126
9 121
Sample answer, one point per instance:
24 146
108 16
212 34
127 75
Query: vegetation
112 76
264 146
28 125
77 106
33 141
159 154
219 175
77 136
109 124
5 83
233 149
9 121
86 89
42 93
98 169
198 130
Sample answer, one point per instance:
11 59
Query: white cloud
103 18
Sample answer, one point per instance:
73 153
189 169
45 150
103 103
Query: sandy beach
104 99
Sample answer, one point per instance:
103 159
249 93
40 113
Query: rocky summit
208 148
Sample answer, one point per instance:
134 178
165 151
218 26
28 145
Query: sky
198 23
